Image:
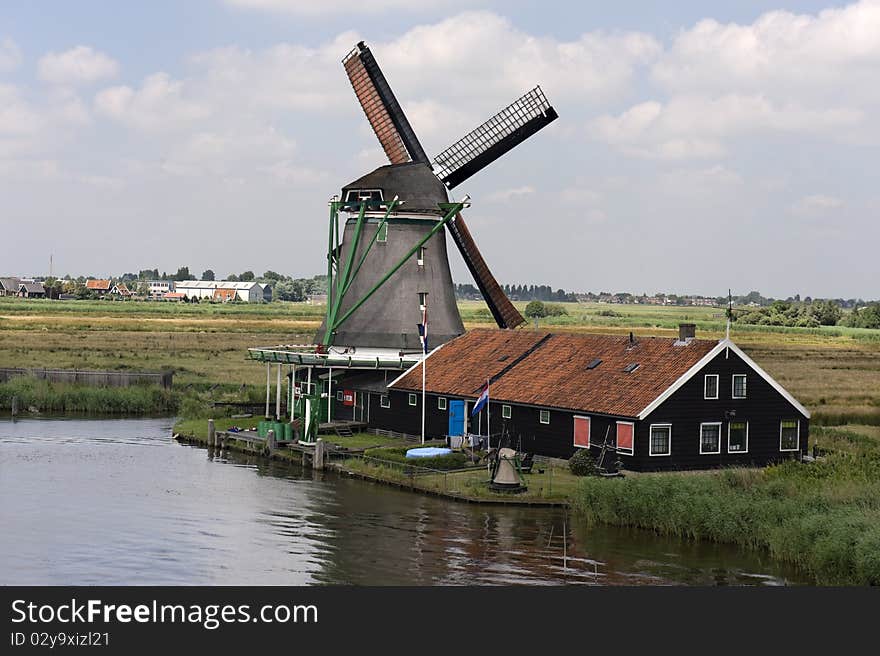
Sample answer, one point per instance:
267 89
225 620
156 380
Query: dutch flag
482 399
423 329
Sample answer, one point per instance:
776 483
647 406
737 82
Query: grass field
833 371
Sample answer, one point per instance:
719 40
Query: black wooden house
659 403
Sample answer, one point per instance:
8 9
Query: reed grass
73 398
823 517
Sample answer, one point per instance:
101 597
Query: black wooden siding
763 408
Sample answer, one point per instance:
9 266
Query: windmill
390 257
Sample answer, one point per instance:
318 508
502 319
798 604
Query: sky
700 146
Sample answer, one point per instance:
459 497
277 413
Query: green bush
582 463
535 309
397 454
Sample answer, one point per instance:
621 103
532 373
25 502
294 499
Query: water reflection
118 502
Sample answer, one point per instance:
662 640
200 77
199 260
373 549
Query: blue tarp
427 452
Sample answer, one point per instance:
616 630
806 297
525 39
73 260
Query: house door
456 418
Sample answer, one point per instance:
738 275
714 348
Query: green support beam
451 210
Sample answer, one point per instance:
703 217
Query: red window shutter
625 437
347 397
582 431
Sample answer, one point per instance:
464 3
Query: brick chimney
686 331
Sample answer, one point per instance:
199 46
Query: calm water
119 502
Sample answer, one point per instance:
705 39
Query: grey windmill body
390 316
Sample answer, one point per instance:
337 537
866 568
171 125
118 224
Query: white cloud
10 55
329 7
158 104
779 51
17 117
508 195
689 126
79 65
816 204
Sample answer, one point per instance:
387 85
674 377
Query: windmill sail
504 131
503 311
381 107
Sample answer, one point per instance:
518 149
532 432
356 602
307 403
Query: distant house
100 287
30 289
316 299
174 296
250 292
267 292
158 288
120 290
9 286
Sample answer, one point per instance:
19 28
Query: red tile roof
100 285
544 369
224 294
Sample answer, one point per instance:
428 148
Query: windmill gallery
392 353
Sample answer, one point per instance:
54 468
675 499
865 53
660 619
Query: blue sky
699 147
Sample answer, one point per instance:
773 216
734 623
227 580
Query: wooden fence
94 378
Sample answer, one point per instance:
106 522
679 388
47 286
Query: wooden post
14 405
278 395
268 387
271 442
318 460
212 434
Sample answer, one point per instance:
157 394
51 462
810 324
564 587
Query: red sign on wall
347 397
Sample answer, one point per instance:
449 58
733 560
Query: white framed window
384 401
626 437
544 416
506 412
338 395
710 437
789 435
738 437
710 386
660 440
441 403
413 399
421 257
739 386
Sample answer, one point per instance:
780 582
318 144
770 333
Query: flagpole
423 395
488 417
424 341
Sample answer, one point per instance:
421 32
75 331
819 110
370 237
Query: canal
118 502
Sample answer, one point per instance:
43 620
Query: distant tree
207 274
289 290
536 309
827 313
182 274
148 274
232 277
272 275
247 276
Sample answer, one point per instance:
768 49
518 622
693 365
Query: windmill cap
413 183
